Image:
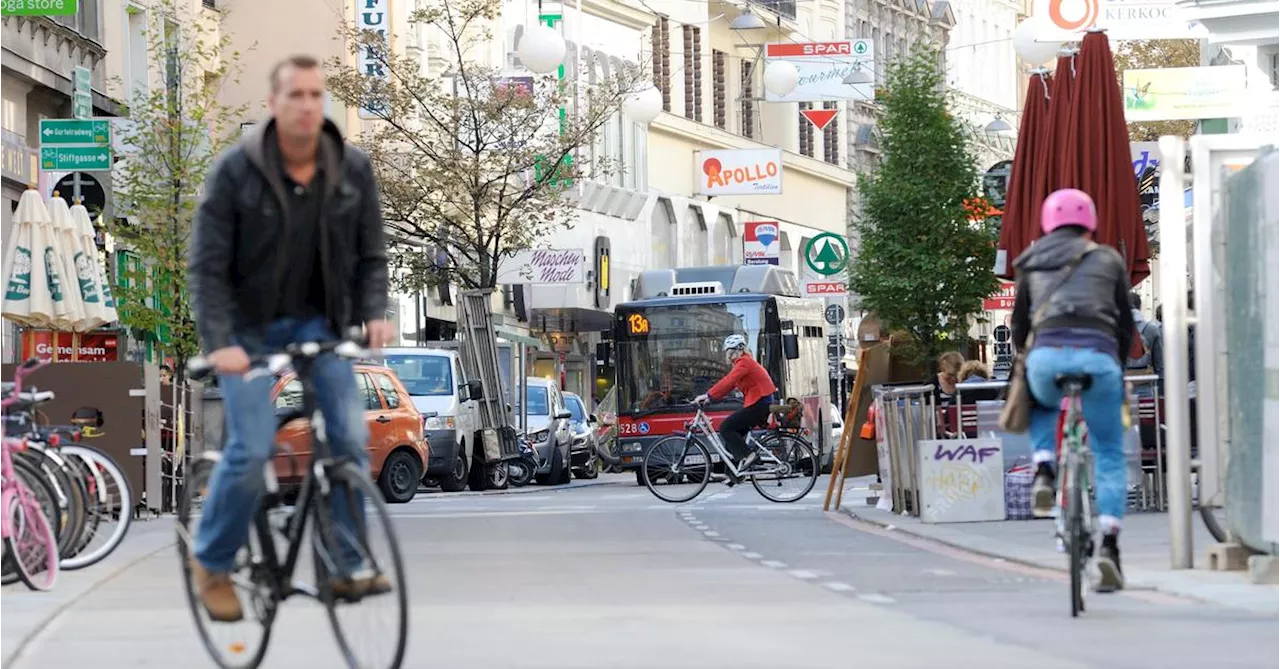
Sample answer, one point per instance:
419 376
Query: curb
46 623
523 490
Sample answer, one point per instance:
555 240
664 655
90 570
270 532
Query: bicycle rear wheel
39 486
109 509
793 475
676 469
1076 542
71 499
351 557
237 645
33 544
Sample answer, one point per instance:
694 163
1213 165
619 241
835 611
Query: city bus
668 349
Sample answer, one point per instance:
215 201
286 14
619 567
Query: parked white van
433 377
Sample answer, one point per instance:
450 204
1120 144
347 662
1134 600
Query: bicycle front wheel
360 570
790 470
33 544
676 469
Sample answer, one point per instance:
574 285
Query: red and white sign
825 288
761 242
820 117
54 346
740 172
822 68
1002 300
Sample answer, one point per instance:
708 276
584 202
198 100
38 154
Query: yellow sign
604 272
639 324
1184 93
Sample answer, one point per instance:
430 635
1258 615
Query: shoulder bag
1016 414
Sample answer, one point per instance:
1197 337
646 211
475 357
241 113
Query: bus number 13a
638 323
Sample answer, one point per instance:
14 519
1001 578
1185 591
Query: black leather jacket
1096 296
240 250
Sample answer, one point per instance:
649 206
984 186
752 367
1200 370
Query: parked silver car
584 454
548 430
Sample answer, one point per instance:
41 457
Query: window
719 84
390 394
538 401
211 4
831 137
290 396
806 131
139 79
574 405
660 42
84 21
693 72
370 396
747 122
423 375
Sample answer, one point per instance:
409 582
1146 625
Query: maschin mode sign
542 266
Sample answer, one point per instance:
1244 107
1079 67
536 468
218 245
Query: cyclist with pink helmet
1073 295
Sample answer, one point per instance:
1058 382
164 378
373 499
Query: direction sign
834 314
75 132
82 158
827 254
820 118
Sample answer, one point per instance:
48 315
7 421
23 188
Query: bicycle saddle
1083 381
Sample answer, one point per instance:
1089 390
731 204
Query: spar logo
1072 15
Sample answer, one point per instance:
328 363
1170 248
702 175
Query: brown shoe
361 585
217 594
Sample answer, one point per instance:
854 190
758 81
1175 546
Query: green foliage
177 129
922 265
470 167
1161 53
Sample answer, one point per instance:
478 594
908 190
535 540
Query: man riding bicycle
758 390
288 247
1073 295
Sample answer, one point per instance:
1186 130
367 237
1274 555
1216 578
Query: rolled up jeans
1102 413
237 485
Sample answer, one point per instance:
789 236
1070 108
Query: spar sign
823 68
739 172
761 242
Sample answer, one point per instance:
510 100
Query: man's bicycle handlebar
199 367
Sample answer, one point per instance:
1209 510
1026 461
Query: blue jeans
237 485
1102 413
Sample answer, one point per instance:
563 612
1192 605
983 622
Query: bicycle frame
13 490
701 426
1075 460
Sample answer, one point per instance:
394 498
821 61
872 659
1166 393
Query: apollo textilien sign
740 172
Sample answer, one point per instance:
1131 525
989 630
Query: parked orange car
398 449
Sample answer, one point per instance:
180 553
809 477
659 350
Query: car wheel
456 480
497 477
566 472
590 470
399 477
640 477
557 474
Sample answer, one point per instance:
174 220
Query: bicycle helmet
1068 207
734 341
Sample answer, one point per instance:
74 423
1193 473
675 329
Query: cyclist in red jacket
757 389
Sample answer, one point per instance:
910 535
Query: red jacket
748 376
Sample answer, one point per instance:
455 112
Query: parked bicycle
264 580
678 468
30 541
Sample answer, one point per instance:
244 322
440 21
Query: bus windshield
670 354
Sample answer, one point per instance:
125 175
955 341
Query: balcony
784 8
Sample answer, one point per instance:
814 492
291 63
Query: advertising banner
1067 20
1003 299
542 266
823 67
739 172
1184 93
761 243
54 346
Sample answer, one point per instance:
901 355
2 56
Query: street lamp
858 75
999 125
781 77
746 21
1028 49
541 49
643 106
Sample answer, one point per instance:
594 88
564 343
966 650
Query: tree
175 131
472 166
923 265
1157 54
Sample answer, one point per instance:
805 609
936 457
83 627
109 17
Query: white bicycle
678 468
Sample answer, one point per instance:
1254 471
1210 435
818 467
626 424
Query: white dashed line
709 533
940 572
752 556
839 587
736 547
803 574
774 564
875 598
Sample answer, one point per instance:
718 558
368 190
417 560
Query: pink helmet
1068 207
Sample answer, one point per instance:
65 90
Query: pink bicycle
29 539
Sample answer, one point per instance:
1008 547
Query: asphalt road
609 577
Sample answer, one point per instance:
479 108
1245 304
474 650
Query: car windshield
574 405
537 401
673 353
423 374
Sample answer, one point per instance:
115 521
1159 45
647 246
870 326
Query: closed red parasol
1028 178
1097 159
1061 93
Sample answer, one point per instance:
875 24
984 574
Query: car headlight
440 423
540 437
633 447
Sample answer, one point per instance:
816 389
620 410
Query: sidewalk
27 612
1146 551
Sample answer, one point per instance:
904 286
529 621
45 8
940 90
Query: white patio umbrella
64 243
30 293
90 269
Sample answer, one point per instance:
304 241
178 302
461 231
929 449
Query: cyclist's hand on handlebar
229 360
702 399
379 333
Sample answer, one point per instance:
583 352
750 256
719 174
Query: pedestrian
949 365
288 247
1073 302
1148 343
974 371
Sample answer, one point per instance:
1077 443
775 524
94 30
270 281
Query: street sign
82 158
81 77
820 118
827 254
82 95
834 314
75 132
